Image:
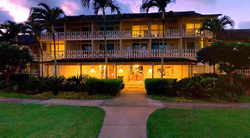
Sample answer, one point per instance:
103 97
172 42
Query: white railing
49 55
243 71
109 34
34 73
48 36
196 32
35 57
189 53
155 53
78 35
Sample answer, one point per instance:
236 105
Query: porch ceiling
129 61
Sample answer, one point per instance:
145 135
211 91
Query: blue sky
238 10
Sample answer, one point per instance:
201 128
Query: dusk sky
238 10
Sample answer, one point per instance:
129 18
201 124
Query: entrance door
136 74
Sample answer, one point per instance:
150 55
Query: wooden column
115 68
153 70
191 71
120 48
150 48
80 69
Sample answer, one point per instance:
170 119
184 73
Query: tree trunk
7 80
106 48
214 38
39 58
230 76
54 40
163 49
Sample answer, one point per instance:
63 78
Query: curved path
126 115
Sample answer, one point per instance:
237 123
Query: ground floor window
167 71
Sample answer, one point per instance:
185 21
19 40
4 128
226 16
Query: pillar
153 70
150 48
80 69
65 30
191 71
115 68
180 48
120 48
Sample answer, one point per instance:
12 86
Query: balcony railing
172 33
100 54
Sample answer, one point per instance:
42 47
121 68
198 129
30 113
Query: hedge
159 86
102 86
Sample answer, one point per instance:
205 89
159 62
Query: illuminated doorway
136 74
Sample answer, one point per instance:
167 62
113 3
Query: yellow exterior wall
199 69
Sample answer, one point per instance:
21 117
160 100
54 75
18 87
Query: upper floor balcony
136 34
100 54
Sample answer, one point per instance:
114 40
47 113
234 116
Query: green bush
18 81
36 85
246 82
179 88
156 86
209 75
55 84
76 83
102 86
228 91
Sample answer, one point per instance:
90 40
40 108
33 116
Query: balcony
99 35
87 54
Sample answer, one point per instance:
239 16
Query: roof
27 39
170 14
235 35
127 60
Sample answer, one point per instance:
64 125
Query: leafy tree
102 5
161 5
217 25
10 30
229 56
35 29
49 16
13 59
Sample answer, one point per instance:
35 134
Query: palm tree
102 5
217 25
35 29
49 16
10 30
161 5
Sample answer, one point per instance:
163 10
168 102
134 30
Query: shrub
246 82
18 81
36 85
179 88
156 86
102 86
209 75
76 83
54 84
228 91
202 88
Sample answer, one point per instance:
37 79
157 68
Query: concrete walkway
126 115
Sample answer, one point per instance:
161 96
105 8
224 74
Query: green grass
200 123
244 98
61 95
18 120
13 95
171 99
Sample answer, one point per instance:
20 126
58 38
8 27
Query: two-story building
134 43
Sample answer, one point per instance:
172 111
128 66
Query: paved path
126 115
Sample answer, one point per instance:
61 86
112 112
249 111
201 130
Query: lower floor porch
133 74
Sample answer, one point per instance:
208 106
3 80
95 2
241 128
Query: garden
75 87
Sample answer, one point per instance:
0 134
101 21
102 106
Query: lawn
17 120
61 95
201 123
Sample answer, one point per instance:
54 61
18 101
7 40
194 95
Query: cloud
5 16
244 25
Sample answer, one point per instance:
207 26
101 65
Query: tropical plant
161 5
49 16
35 29
102 5
76 83
55 84
9 30
13 59
217 25
229 56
